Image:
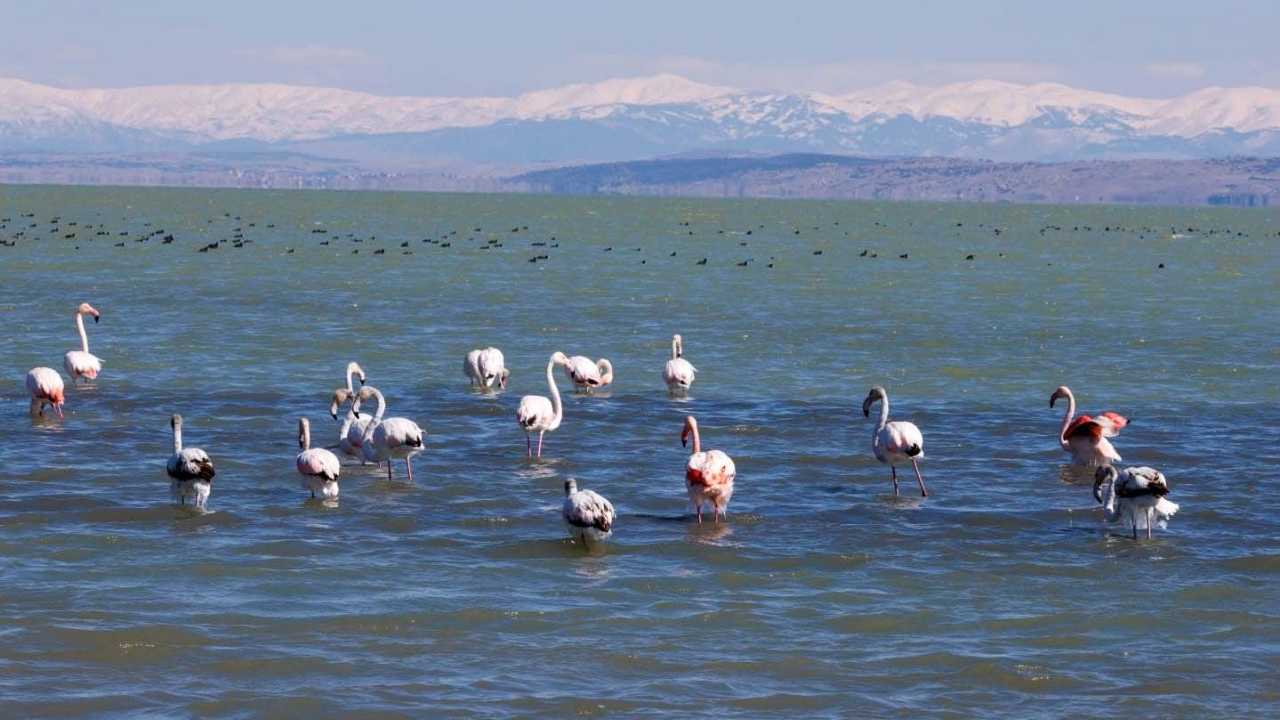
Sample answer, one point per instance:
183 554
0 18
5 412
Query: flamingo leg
919 478
698 508
1150 517
408 465
539 444
388 469
1133 520
528 445
894 474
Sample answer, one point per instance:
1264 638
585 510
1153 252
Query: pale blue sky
470 48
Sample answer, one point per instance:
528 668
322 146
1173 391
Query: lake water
1001 594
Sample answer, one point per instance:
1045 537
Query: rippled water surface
1000 594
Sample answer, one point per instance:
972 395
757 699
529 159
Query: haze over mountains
638 118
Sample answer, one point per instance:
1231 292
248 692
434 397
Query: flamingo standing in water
708 476
678 373
1137 493
46 388
588 514
540 414
487 367
82 363
587 375
388 439
319 467
191 469
351 434
1085 437
894 442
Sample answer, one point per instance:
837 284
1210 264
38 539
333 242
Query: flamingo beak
95 319
57 407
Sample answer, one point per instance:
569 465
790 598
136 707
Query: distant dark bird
968 257
1161 266
703 261
404 244
904 256
817 252
608 249
379 251
863 253
673 253
289 251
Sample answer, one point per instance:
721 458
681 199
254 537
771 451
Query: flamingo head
677 346
354 369
606 371
570 487
340 396
304 433
559 358
87 309
1062 392
175 422
502 378
690 427
1104 474
876 393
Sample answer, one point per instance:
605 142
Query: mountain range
637 118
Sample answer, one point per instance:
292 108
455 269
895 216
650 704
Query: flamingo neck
304 441
377 416
1066 421
1109 499
556 407
177 439
884 413
84 338
676 350
697 439
350 373
346 424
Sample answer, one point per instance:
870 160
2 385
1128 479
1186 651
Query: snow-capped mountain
626 119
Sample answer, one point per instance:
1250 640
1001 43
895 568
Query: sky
402 47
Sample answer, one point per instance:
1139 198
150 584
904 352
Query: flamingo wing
190 464
534 410
904 438
319 462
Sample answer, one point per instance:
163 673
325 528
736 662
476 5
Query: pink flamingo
45 386
318 467
540 414
1085 437
894 442
82 363
708 476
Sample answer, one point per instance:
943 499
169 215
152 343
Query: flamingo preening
1085 437
678 373
894 442
486 368
1137 493
351 434
708 476
588 514
319 467
82 363
587 375
539 414
190 470
46 388
392 438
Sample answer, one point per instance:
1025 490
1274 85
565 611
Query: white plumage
351 434
708 476
190 470
46 388
541 414
678 373
319 467
392 438
587 375
486 368
895 442
1136 493
587 514
82 363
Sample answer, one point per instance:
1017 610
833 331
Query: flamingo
45 386
82 363
708 476
537 413
1085 437
395 437
1136 492
894 442
588 514
486 367
319 467
190 468
351 434
678 373
587 375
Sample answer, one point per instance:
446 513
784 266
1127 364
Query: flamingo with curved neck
388 439
82 363
708 476
351 434
1085 437
537 413
894 442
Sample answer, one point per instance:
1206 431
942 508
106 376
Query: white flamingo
319 467
708 476
351 434
540 414
894 442
82 363
1137 493
588 514
190 469
1085 437
678 373
385 440
587 375
46 388
487 367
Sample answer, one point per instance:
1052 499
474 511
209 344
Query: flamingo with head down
708 476
587 375
1085 437
46 388
486 368
82 363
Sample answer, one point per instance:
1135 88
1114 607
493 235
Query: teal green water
1002 594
